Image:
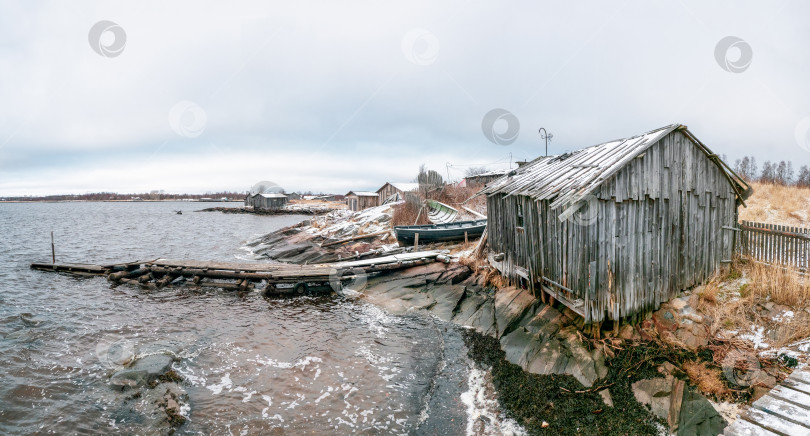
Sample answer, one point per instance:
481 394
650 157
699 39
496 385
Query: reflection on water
250 365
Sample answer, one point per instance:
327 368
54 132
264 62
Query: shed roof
272 195
362 193
570 177
402 186
489 174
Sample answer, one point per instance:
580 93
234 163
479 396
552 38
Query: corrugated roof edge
577 193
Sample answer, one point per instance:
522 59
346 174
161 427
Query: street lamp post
545 135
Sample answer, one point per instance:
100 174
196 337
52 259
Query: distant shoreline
122 201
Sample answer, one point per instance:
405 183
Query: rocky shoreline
286 211
551 377
537 353
155 388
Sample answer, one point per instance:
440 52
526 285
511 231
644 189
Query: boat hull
441 232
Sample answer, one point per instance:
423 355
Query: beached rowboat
441 232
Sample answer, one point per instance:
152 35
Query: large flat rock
511 304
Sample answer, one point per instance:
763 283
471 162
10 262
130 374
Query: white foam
225 383
480 404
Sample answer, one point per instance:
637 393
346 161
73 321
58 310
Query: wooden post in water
416 240
53 251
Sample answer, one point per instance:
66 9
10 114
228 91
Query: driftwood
480 249
355 238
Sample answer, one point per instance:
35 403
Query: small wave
482 408
225 383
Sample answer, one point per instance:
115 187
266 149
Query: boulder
627 332
655 393
678 303
692 335
142 371
698 416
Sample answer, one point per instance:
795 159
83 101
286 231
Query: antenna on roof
545 135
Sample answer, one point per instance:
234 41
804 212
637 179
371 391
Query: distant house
359 200
273 200
616 229
484 178
393 192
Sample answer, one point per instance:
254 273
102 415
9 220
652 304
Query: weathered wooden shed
395 191
616 229
273 200
484 178
359 200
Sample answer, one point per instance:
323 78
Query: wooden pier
784 411
279 278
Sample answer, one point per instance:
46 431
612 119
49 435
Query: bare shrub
406 214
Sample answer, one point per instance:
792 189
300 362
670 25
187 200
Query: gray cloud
321 96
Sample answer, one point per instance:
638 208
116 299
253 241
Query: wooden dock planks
161 272
785 410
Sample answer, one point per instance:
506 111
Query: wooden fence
776 244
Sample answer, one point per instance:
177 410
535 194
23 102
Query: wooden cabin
272 200
359 200
393 192
479 180
614 230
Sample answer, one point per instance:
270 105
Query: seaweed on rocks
559 404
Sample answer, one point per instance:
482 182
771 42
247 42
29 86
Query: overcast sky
202 96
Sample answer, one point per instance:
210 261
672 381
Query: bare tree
474 171
803 180
768 172
429 180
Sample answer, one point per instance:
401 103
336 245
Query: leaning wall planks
657 229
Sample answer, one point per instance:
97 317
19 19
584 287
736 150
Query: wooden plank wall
776 244
658 229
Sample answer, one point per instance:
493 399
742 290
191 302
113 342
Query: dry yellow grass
776 204
782 285
708 380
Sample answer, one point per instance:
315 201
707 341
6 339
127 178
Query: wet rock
698 416
511 304
665 320
599 363
759 392
446 300
477 310
678 303
128 379
143 371
693 335
667 368
165 408
605 393
31 320
581 364
519 345
455 275
766 380
655 393
627 332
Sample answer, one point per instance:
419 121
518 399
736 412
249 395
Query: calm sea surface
251 365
